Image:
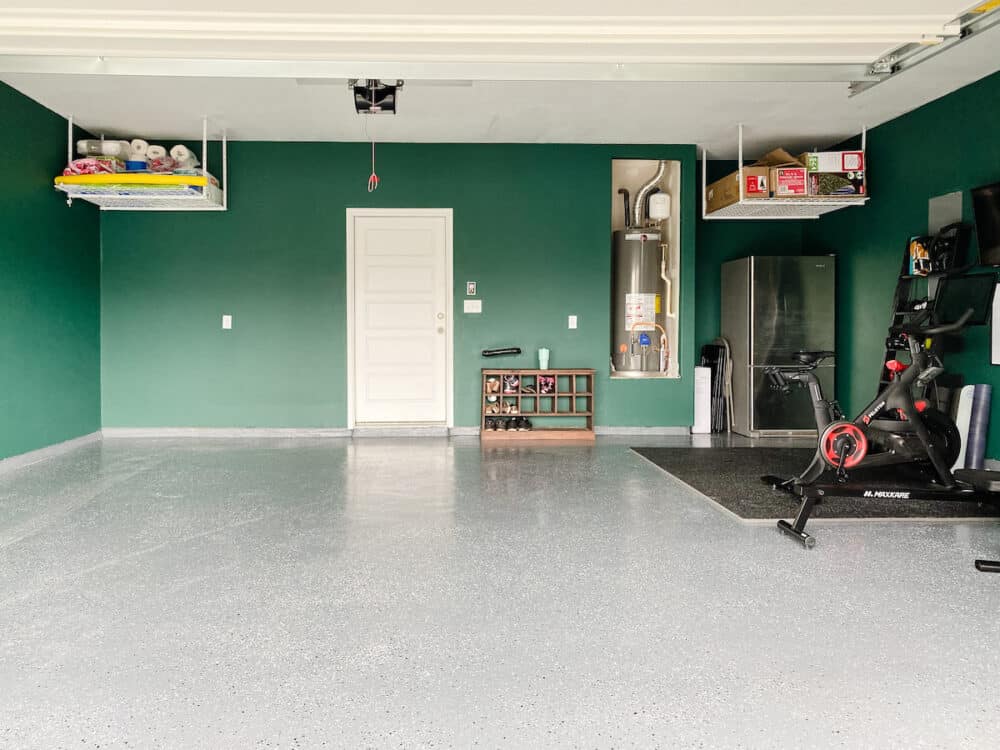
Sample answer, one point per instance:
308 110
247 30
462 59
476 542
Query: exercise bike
896 431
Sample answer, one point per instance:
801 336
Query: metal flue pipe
640 199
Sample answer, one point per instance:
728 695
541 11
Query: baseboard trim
113 433
13 463
401 431
671 431
225 432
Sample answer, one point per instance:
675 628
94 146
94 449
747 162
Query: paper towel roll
183 156
156 152
119 149
139 149
95 147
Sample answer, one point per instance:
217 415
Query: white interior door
402 318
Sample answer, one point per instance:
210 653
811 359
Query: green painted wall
49 288
531 225
950 144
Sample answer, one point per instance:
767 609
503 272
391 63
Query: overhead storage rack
773 208
141 191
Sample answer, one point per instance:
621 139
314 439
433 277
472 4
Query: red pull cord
373 178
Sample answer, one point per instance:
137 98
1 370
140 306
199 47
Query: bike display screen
956 294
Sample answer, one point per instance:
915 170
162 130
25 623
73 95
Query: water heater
638 340
641 284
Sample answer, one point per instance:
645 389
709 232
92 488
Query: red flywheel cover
829 439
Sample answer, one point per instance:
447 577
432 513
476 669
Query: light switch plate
470 288
473 306
227 322
572 321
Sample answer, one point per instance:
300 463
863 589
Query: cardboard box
779 158
726 191
836 174
787 174
789 182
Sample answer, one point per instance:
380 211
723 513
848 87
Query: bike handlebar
943 328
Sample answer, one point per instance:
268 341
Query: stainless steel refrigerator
772 307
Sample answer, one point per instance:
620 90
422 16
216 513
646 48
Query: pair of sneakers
517 424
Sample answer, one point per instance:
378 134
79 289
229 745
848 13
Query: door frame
448 215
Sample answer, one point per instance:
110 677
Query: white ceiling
575 74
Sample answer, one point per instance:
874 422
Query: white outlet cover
473 306
227 322
572 321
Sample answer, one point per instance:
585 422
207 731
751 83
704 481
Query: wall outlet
227 322
473 306
572 321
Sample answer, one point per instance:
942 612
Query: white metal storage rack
198 195
773 208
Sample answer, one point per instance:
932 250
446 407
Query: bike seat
811 358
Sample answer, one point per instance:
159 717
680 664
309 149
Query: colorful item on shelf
511 383
95 165
162 165
546 384
159 160
135 165
196 173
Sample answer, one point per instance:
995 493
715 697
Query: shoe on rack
490 424
528 388
502 425
525 424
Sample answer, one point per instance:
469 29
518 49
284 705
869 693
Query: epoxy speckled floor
425 593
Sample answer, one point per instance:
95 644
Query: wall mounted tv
986 204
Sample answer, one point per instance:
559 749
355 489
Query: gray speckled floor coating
427 593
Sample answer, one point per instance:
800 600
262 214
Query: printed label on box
852 160
756 185
791 181
639 308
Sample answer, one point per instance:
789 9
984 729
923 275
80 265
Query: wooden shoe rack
571 400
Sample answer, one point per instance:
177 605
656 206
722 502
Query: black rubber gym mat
731 477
